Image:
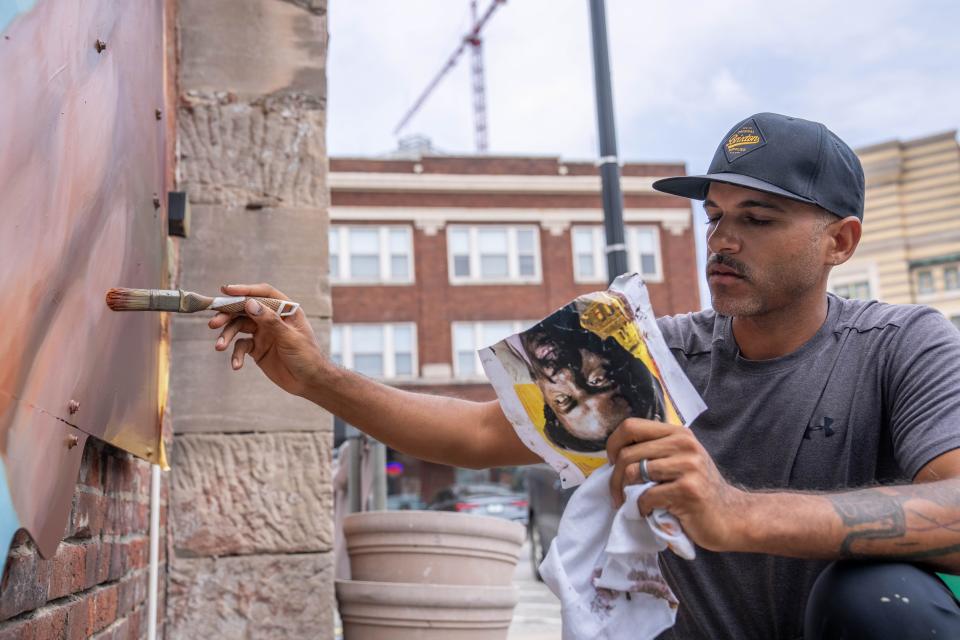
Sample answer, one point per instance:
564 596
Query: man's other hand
285 349
689 485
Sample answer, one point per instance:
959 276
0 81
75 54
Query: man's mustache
730 263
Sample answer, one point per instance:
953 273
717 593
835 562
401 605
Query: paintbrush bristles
144 300
128 299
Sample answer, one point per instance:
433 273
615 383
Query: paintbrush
180 301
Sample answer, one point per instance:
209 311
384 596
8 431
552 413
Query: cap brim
696 187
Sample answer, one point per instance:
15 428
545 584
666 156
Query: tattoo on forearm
881 514
871 515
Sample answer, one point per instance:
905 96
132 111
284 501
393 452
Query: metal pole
379 498
154 570
609 163
354 479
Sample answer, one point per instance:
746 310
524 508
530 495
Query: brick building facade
433 257
910 249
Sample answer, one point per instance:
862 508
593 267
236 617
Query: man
822 484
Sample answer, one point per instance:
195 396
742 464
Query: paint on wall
81 164
10 9
9 522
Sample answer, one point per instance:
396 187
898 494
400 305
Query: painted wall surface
81 163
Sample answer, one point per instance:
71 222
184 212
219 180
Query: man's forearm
440 429
914 523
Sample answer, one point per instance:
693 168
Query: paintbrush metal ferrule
176 301
164 300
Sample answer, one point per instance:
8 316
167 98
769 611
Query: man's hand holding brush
286 349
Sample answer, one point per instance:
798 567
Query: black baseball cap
790 157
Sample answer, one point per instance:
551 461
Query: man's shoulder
691 333
869 316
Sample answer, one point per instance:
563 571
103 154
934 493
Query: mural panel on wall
81 187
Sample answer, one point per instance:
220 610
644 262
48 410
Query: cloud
683 72
727 92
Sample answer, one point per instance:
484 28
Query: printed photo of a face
589 384
567 382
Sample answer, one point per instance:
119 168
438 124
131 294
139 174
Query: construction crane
471 39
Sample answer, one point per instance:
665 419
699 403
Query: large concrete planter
398 611
432 547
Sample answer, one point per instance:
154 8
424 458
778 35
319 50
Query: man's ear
844 237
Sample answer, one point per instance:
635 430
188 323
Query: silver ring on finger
644 473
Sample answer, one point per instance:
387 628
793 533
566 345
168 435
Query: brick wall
96 584
497 165
531 200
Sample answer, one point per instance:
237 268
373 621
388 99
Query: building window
590 258
376 350
925 281
484 254
371 254
859 290
951 278
470 337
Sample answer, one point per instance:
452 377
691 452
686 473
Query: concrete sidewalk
537 615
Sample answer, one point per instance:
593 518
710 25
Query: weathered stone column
251 504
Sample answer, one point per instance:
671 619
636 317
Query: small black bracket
178 214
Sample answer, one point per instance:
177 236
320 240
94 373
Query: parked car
405 502
546 504
482 499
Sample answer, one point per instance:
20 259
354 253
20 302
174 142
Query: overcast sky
683 72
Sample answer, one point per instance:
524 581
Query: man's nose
721 238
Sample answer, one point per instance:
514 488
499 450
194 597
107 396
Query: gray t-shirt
872 397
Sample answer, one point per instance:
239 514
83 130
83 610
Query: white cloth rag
603 564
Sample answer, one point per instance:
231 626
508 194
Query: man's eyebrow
759 204
747 204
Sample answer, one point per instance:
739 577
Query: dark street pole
608 162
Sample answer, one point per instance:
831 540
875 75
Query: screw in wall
73 406
158 113
100 45
72 441
156 201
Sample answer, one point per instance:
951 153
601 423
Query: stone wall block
251 493
253 47
264 597
286 247
208 396
265 153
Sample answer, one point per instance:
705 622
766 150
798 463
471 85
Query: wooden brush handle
283 307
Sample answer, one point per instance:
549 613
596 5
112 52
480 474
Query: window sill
433 382
646 279
370 283
935 296
481 283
